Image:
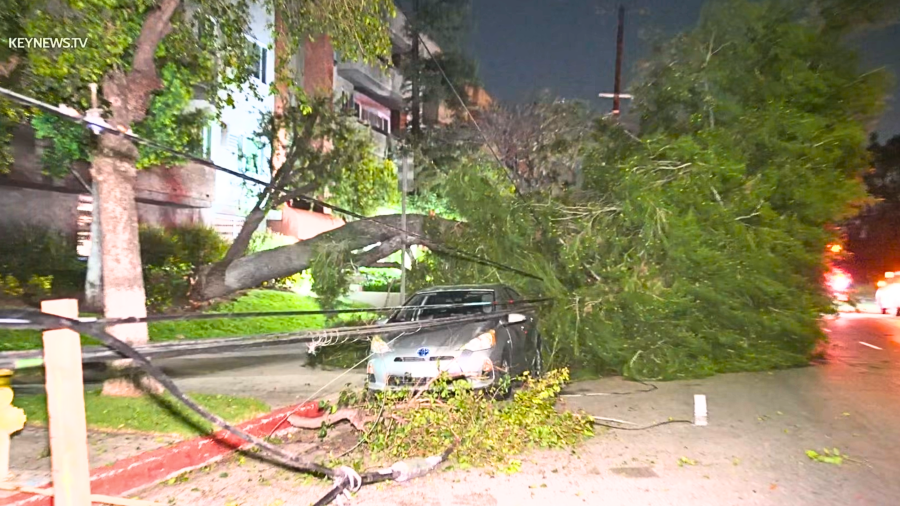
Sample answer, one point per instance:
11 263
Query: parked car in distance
481 352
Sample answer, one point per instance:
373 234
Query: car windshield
420 305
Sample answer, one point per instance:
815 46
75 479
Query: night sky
567 47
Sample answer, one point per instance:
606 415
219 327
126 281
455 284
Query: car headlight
379 346
484 341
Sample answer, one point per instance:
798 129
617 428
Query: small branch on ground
356 417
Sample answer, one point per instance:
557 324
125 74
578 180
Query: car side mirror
516 318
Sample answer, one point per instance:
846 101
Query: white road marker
700 410
869 345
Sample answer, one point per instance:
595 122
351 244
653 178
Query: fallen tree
370 240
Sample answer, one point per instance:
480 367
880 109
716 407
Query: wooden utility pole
620 43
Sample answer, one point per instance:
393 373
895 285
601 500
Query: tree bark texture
252 270
113 168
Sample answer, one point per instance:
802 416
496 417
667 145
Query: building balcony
385 85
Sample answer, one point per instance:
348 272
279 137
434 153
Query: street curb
149 468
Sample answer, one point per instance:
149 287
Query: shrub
380 280
43 262
167 285
195 245
171 256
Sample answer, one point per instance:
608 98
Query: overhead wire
79 118
345 477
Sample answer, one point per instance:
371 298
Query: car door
528 329
518 333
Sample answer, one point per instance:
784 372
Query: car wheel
883 311
897 313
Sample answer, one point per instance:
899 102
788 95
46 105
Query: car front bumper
401 370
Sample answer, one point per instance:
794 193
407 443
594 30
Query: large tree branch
129 95
252 270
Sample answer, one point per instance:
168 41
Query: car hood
450 335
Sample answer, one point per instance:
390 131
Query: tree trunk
251 271
114 173
93 284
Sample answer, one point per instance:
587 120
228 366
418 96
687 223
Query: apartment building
194 194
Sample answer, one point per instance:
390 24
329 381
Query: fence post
65 409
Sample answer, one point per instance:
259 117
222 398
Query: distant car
481 352
888 296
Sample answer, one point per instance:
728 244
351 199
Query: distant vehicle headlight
484 341
379 346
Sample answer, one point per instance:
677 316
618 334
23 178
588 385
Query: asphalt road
752 452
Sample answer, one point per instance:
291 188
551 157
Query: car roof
456 288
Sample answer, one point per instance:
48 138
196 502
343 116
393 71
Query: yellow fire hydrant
12 420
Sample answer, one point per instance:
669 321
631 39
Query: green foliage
252 301
331 269
42 261
194 245
167 285
365 186
827 456
255 300
698 247
171 255
155 414
380 279
194 55
167 122
68 143
488 432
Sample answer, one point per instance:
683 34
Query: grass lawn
256 301
156 414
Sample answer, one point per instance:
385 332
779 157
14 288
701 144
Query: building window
259 55
85 217
251 154
375 120
207 142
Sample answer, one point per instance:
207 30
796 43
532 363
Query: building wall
318 68
39 209
233 198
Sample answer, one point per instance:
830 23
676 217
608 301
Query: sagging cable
48 321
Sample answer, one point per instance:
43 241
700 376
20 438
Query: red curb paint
152 467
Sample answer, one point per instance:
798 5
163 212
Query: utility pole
404 187
620 43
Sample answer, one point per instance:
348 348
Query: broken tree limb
252 270
356 417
